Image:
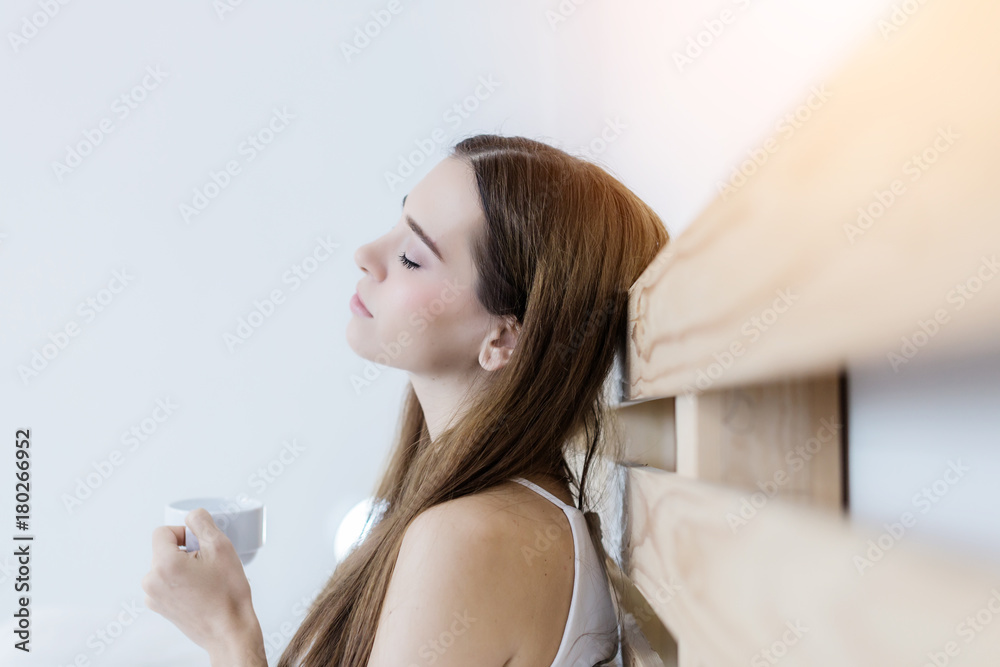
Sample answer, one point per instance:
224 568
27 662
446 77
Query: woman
502 291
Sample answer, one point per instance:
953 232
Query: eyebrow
418 230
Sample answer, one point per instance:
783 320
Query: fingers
166 539
150 584
153 585
178 534
203 526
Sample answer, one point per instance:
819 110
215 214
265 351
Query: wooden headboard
873 229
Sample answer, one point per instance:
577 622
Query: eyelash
406 262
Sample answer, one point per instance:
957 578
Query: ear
499 344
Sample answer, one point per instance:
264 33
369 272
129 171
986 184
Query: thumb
203 526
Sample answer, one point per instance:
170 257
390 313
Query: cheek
415 297
433 305
432 299
410 307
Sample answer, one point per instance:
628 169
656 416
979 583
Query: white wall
923 451
162 335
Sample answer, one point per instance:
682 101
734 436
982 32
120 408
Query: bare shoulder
514 522
470 575
503 512
490 527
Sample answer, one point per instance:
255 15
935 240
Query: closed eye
406 262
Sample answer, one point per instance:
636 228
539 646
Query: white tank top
591 631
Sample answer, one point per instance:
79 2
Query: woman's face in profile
418 278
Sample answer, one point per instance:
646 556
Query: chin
351 335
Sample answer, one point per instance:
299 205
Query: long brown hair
562 243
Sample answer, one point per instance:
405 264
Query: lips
359 306
361 301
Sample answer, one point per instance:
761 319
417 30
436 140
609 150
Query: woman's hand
205 593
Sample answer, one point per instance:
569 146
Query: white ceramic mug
241 519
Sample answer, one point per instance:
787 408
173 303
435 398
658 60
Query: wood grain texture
783 269
782 439
787 587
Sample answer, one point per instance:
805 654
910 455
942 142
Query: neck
440 398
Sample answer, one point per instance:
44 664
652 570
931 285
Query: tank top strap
543 492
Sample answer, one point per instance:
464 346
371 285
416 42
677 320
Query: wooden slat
650 433
778 440
739 594
657 639
782 439
783 241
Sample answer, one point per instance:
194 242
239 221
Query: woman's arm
243 648
445 603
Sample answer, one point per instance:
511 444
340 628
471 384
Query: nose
367 259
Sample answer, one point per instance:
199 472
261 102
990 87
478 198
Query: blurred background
167 166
